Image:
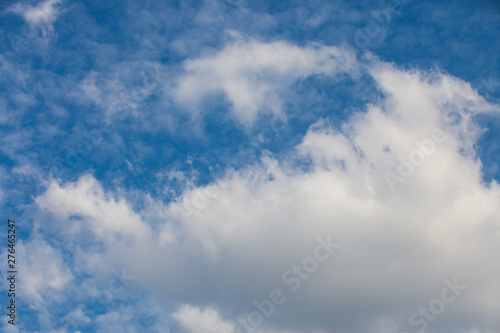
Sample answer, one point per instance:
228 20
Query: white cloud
40 19
195 321
42 280
247 229
44 270
45 13
254 76
106 215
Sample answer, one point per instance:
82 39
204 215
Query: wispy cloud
45 13
254 75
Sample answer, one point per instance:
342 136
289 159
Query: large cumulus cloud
403 230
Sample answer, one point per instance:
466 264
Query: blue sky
169 162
